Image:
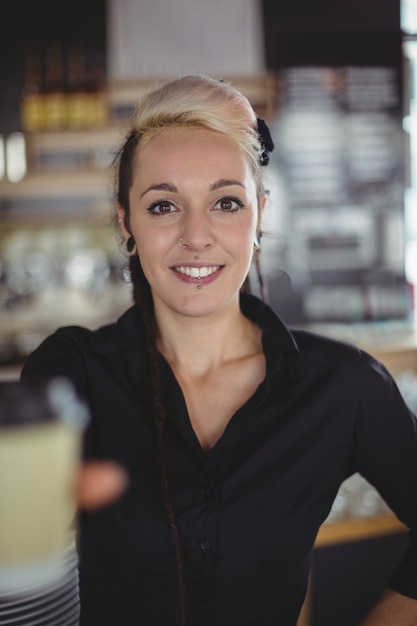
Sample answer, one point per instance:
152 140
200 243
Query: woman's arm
392 609
386 448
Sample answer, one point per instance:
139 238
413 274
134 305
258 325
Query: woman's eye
161 207
229 205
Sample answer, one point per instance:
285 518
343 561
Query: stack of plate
54 605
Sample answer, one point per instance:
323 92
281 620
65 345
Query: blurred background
336 82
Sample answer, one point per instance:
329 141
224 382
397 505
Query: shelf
97 220
261 90
76 139
70 171
61 196
54 184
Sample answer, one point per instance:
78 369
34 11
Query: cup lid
22 404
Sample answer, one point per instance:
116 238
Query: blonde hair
191 101
203 102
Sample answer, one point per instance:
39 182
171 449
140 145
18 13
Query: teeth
197 272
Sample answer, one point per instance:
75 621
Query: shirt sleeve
386 448
59 355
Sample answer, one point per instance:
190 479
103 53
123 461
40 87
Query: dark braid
143 299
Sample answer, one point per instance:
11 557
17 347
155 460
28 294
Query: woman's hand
99 483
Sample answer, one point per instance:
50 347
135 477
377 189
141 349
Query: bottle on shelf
2 160
86 100
77 96
55 87
96 112
32 108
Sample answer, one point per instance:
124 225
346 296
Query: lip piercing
184 245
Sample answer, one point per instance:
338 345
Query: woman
235 433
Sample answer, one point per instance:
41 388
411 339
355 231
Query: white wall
168 37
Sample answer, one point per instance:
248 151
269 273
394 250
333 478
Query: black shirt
250 509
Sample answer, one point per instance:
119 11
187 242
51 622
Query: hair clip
266 140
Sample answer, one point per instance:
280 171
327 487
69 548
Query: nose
196 232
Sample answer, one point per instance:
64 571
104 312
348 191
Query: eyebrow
225 182
160 187
219 184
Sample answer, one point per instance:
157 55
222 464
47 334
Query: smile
197 272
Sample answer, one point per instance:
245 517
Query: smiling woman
235 432
213 217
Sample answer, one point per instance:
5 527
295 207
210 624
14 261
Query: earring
130 244
257 240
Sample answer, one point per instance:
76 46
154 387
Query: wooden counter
10 373
357 529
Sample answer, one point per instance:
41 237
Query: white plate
36 579
57 608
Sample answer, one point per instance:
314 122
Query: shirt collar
279 345
127 341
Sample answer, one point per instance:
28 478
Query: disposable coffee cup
40 441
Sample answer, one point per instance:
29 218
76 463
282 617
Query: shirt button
208 493
205 545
